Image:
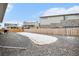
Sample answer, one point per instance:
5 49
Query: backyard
16 44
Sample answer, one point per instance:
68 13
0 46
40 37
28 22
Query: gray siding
53 25
72 23
3 7
71 17
49 20
60 21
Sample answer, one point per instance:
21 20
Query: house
3 7
30 24
10 26
64 20
70 23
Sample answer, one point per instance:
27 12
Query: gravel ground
12 44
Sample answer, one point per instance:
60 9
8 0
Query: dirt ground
12 44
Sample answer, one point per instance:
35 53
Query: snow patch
39 38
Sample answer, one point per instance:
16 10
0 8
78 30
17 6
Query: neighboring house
71 23
10 26
30 24
13 27
52 25
59 20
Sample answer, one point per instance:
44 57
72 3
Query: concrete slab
39 38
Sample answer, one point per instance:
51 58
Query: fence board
55 31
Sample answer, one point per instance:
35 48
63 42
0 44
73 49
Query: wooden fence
1 30
12 30
15 30
56 31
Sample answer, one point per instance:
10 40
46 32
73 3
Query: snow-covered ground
39 38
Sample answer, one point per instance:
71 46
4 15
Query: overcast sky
19 12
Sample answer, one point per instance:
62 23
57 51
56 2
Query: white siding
71 17
49 20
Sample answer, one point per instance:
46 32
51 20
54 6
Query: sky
20 12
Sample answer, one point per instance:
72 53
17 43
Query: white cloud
74 9
10 21
57 11
9 7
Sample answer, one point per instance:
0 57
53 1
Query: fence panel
55 31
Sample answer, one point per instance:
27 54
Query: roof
3 7
59 15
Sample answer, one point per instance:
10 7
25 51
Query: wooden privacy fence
12 30
72 31
55 31
1 30
15 30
